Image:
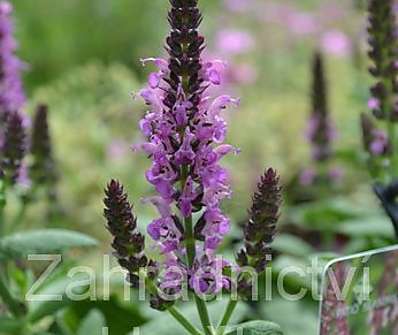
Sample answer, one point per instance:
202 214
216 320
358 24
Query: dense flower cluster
384 54
185 132
12 96
128 243
42 169
321 131
260 230
14 147
378 140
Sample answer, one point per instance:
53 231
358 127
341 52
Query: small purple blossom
302 23
307 177
239 6
336 43
373 103
12 95
234 41
379 143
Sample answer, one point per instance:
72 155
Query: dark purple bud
321 131
261 228
383 53
128 243
42 169
14 148
159 304
184 45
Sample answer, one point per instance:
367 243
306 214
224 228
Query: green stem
14 306
227 316
183 321
204 315
174 311
200 304
191 251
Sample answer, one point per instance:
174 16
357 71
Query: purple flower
302 23
207 276
185 131
307 177
380 142
239 6
321 131
375 140
234 42
373 103
336 43
12 95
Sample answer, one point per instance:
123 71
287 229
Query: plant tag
360 294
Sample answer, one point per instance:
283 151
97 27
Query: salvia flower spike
42 169
384 54
12 95
185 132
14 147
128 243
260 230
184 135
321 131
379 138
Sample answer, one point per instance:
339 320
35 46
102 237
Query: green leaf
54 297
294 317
370 226
120 316
92 324
256 328
9 325
43 242
291 245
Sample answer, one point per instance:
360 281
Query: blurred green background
84 62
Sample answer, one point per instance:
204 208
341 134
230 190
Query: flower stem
15 307
183 321
204 316
174 311
200 304
227 316
191 251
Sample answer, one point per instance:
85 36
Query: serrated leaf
92 324
256 328
43 242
